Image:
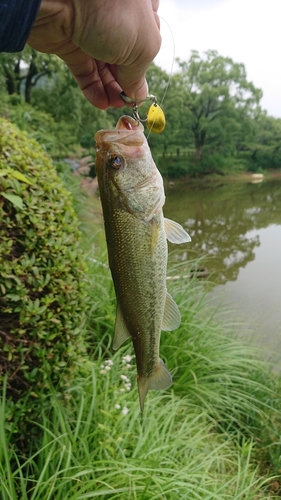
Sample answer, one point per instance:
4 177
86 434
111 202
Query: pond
238 227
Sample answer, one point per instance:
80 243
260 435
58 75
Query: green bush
57 137
42 291
174 167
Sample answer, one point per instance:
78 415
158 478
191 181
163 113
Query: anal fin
121 333
171 317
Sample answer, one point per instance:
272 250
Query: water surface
238 225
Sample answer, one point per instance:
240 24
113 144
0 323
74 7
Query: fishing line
155 118
172 65
173 58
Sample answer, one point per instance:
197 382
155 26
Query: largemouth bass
132 197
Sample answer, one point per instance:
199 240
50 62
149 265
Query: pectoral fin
121 333
171 318
160 379
175 232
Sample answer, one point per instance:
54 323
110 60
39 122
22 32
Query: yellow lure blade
155 119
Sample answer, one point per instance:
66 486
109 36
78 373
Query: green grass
215 435
89 448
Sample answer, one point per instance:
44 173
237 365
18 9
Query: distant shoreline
245 176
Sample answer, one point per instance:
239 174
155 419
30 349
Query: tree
161 86
263 147
23 70
64 101
217 97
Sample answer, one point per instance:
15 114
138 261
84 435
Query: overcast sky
248 31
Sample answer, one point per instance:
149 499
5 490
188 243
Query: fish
132 197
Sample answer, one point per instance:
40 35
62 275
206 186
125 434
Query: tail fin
160 379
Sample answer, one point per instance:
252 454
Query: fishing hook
134 102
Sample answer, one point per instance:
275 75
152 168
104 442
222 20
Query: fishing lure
155 119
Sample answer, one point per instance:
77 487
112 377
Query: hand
107 44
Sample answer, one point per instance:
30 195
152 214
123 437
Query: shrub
174 167
56 137
42 292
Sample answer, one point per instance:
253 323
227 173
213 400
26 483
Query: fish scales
132 196
139 279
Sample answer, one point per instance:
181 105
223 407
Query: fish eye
116 162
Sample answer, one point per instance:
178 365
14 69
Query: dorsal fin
121 333
171 317
175 232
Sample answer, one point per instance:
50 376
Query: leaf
14 297
3 172
13 198
20 177
54 320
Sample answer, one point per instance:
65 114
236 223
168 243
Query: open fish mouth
127 139
128 132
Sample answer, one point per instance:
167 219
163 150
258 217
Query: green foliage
211 109
176 167
203 439
199 440
60 117
63 100
23 70
91 449
216 163
42 295
57 138
217 96
264 145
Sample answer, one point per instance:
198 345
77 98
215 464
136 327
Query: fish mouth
128 132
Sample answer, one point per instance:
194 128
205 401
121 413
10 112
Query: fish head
126 172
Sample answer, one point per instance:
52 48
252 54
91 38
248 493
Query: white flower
117 407
125 378
128 387
127 358
122 390
108 368
109 362
103 372
128 366
125 410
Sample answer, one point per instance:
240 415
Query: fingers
102 90
128 40
102 83
132 77
136 89
124 34
96 80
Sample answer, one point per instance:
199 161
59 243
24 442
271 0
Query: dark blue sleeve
16 20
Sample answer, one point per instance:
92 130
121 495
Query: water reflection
223 220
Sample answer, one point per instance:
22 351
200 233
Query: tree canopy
214 121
